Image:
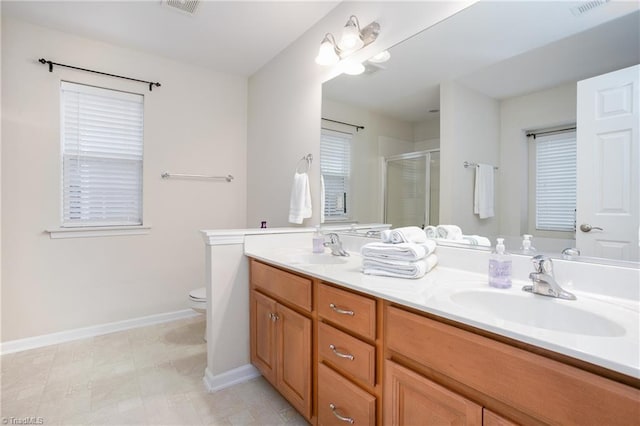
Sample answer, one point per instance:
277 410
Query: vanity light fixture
329 53
381 57
353 68
353 38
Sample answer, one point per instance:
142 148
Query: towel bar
468 164
167 175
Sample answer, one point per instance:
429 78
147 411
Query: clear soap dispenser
500 266
318 241
527 248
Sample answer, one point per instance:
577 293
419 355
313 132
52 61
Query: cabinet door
263 336
294 359
492 419
411 399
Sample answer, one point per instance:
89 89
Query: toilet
198 302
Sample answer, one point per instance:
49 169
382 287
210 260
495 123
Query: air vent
586 7
186 6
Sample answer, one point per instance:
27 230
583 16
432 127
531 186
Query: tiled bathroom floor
145 376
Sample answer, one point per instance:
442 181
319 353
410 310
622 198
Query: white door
608 161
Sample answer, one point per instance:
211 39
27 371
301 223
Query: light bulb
351 39
381 57
353 68
327 54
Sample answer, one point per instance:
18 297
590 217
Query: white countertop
436 293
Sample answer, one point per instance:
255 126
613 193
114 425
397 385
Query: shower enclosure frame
408 156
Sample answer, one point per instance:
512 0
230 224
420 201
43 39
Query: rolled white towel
449 232
401 251
431 231
476 240
407 234
398 268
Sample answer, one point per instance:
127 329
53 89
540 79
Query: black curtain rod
51 64
346 124
549 132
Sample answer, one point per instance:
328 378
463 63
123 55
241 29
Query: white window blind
556 182
102 133
335 166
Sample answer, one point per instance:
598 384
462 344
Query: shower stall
412 189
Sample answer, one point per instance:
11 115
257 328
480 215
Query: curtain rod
548 132
51 64
346 124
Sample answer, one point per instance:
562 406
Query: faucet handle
542 264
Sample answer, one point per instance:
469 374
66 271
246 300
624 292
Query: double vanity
347 348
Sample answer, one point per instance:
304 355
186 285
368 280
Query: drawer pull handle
340 354
340 311
343 418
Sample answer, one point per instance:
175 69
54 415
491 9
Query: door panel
263 348
608 165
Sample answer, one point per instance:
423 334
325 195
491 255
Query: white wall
539 110
195 123
285 101
366 152
470 131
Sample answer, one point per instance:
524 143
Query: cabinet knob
339 416
341 311
273 317
340 354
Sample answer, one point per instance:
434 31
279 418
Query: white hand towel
407 234
449 232
476 240
483 194
431 231
401 251
399 269
300 203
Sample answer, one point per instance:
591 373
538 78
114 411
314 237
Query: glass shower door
412 187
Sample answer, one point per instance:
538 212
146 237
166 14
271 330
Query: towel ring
307 160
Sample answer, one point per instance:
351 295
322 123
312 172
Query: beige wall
195 123
470 131
285 101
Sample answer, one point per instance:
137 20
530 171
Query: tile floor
145 376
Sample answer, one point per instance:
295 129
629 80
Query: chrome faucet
570 253
544 282
335 245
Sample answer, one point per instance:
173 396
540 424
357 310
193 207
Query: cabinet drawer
285 286
353 312
540 387
347 353
340 400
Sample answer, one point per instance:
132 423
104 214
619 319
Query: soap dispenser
500 266
527 248
318 241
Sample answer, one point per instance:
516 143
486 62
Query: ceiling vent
586 7
185 6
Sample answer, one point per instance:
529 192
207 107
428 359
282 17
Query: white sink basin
538 311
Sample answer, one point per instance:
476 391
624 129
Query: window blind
335 166
556 182
102 134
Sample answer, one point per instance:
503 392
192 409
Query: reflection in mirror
497 84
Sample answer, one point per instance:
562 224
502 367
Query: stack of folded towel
402 253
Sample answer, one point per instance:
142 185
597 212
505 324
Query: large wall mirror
495 84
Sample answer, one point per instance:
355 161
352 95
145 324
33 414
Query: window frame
347 138
84 228
533 198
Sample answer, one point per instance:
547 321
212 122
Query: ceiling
237 37
502 49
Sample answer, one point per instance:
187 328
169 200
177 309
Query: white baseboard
96 330
229 378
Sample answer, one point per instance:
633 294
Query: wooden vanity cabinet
349 346
281 337
524 386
